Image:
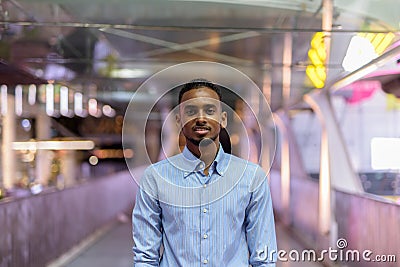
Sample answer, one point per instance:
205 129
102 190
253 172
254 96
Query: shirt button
201 165
205 261
205 210
204 185
205 236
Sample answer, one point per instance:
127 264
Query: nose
201 114
201 117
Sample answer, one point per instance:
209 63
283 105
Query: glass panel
362 120
307 129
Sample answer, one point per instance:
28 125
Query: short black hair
198 83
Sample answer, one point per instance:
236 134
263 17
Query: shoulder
254 175
157 175
165 163
244 164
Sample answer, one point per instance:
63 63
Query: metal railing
366 223
37 229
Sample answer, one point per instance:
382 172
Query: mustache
197 142
201 127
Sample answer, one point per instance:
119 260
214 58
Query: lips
201 130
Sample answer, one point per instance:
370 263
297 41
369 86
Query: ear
224 119
178 120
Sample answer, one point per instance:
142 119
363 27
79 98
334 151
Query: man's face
200 115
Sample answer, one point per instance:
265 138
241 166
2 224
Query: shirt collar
195 163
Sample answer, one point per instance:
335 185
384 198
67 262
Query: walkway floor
288 243
114 249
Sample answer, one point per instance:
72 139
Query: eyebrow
210 105
190 106
196 106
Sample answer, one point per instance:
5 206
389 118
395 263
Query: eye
210 111
190 111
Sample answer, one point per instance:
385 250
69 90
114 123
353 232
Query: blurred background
329 70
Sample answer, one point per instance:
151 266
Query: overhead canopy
119 44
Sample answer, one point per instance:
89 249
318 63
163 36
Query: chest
211 209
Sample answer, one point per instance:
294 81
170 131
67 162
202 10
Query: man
204 206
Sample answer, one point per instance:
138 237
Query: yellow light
316 71
321 51
380 41
313 56
362 34
321 72
318 39
392 102
314 77
377 39
385 43
370 36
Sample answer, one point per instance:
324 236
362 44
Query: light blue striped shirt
221 219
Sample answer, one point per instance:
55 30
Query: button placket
204 228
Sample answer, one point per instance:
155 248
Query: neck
205 152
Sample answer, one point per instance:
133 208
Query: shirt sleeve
146 227
260 225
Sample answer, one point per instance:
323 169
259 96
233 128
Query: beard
203 141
